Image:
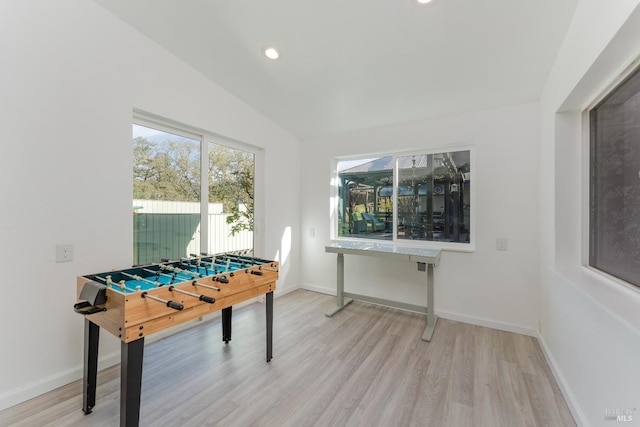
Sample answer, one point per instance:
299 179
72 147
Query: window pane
365 198
231 207
166 195
615 182
434 197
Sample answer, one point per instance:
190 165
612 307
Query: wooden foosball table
134 303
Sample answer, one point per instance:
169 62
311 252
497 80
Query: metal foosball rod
168 303
196 283
226 266
142 279
123 286
193 274
216 277
244 264
158 274
218 262
120 284
201 297
198 258
172 288
237 259
210 269
221 279
214 265
249 262
240 260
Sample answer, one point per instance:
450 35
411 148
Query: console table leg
431 314
341 301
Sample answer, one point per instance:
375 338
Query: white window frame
586 181
451 246
205 137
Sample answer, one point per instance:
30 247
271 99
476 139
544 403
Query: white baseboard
35 389
318 289
488 323
29 391
577 413
478 321
280 292
45 385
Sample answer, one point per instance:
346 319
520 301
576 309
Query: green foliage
170 170
166 171
231 176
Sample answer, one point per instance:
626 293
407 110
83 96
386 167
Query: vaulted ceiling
351 64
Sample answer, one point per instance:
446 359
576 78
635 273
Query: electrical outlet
501 244
64 253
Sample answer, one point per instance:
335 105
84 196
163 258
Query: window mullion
394 200
204 195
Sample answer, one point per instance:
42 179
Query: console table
426 259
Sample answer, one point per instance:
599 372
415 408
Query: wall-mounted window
614 225
412 197
192 193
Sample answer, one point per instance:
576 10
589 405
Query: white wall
486 287
71 75
590 325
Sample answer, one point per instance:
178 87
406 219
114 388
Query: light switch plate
501 244
64 253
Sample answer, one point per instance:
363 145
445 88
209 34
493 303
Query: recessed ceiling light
423 1
271 53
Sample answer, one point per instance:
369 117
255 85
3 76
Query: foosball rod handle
207 299
175 305
170 304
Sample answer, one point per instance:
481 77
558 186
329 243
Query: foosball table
136 302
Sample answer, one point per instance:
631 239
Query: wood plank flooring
366 366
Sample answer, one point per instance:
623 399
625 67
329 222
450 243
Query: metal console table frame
427 260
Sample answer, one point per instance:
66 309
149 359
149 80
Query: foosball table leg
226 324
130 382
269 308
91 338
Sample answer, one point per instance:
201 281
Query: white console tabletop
425 258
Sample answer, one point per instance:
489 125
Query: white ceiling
351 64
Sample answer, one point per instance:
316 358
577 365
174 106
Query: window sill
444 246
620 300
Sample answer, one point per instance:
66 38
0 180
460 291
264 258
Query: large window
231 191
192 194
614 225
419 197
166 195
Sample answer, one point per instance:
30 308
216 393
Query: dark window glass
614 226
430 201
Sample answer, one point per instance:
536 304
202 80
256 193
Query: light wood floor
366 366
